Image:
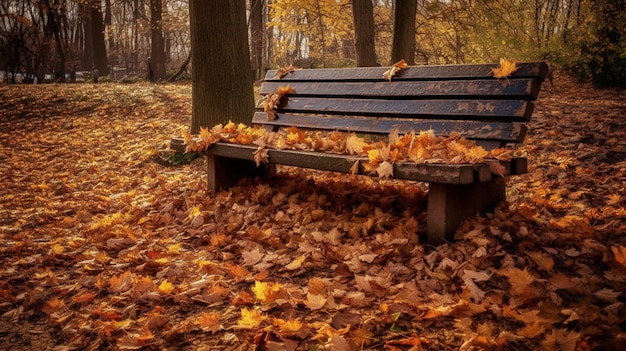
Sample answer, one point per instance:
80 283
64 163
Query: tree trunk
320 19
99 47
54 25
403 45
156 64
363 13
87 59
256 37
222 74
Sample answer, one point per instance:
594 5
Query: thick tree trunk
256 37
222 74
363 13
403 45
156 64
101 62
87 59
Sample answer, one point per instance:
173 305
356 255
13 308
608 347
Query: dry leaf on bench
507 67
396 67
272 101
283 71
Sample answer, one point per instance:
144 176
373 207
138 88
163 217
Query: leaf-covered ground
104 245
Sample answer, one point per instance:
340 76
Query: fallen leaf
507 67
396 67
283 71
209 322
250 318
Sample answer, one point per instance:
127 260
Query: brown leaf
396 67
283 71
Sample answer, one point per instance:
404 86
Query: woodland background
53 39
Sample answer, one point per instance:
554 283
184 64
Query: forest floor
105 245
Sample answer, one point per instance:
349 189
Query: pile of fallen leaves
104 247
422 147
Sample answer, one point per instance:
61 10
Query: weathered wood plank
440 173
508 110
500 131
526 89
438 72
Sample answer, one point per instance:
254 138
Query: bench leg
449 204
224 172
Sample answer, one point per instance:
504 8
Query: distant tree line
151 38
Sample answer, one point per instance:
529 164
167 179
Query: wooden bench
466 99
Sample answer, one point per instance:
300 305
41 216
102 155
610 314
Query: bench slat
508 110
442 72
526 89
503 132
438 173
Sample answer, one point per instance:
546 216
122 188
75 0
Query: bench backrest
453 98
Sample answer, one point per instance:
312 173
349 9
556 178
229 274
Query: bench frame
461 98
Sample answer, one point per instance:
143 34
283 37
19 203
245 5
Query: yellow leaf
117 325
507 67
175 248
250 318
288 326
266 292
374 156
297 263
166 287
58 249
195 211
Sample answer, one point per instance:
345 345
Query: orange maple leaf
507 67
272 101
52 305
209 321
121 282
288 326
283 71
396 67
